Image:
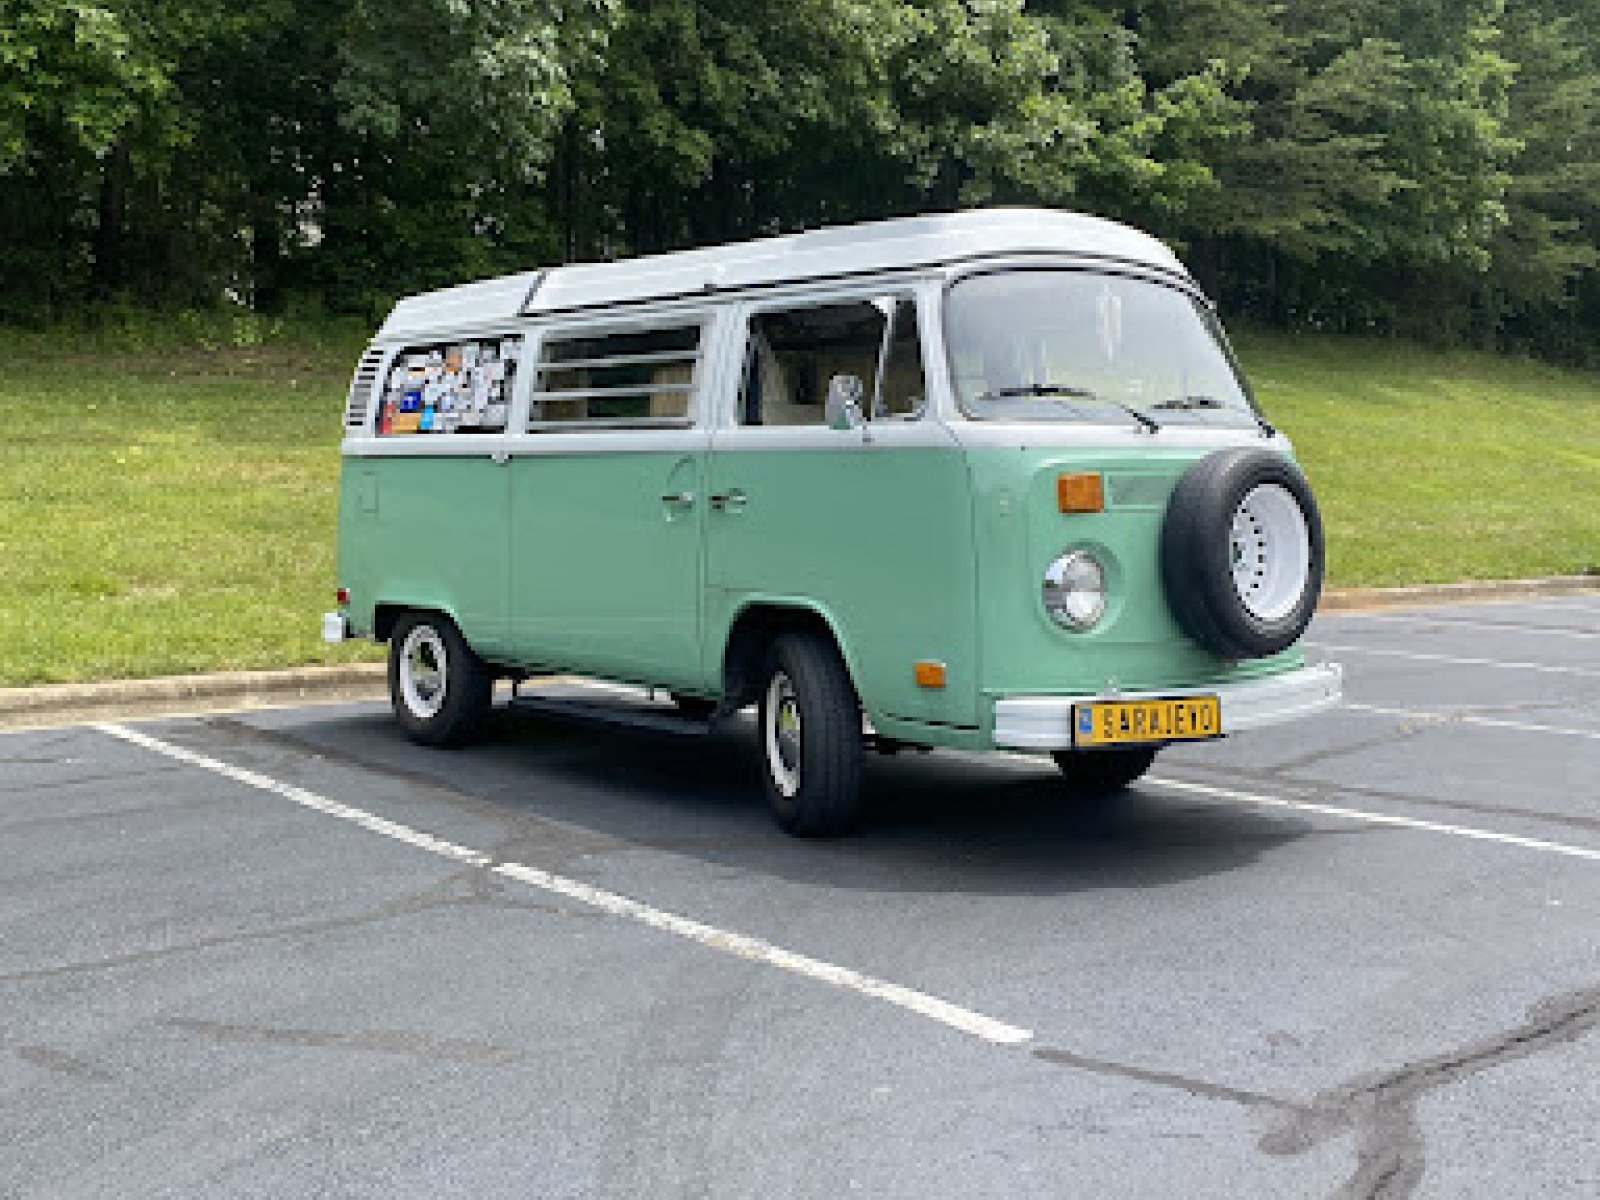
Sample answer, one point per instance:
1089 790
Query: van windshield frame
1027 360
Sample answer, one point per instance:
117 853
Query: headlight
1075 590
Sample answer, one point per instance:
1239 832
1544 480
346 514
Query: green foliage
1417 167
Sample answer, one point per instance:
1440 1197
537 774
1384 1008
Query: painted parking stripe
1488 626
1360 815
1366 817
1465 718
738 944
1454 659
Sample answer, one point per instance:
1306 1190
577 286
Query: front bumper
1045 722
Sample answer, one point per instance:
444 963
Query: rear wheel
439 688
1091 773
810 729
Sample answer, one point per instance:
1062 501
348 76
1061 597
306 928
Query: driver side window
792 355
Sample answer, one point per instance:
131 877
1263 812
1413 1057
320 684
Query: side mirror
842 409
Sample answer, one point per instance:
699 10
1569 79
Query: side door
870 526
607 501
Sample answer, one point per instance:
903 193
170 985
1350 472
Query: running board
614 712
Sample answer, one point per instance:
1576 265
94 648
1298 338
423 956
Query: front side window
639 378
1058 345
793 355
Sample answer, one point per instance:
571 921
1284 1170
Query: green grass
1433 467
167 492
165 510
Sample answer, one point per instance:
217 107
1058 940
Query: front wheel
1093 773
439 687
810 727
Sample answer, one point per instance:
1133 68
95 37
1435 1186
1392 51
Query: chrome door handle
678 499
500 457
730 501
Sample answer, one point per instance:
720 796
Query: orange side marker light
1084 493
930 674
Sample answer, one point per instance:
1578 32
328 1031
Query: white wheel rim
422 671
781 730
1270 552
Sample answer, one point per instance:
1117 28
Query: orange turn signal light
930 674
1083 493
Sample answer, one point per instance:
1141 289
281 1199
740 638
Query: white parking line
1458 660
737 944
1462 623
1464 718
1472 833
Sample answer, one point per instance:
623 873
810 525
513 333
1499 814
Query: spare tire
1241 553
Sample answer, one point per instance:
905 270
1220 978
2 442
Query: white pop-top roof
906 243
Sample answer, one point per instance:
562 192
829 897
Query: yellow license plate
1120 722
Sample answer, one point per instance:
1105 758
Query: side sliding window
638 378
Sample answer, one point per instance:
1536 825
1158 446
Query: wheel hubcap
782 734
1270 552
422 671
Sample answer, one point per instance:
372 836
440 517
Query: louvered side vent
361 389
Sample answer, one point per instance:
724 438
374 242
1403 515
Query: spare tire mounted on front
1241 553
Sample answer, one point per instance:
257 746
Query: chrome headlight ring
1075 590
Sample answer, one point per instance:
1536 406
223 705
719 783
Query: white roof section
906 243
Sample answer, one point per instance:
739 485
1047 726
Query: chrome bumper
335 628
1045 722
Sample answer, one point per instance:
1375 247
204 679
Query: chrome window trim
1086 265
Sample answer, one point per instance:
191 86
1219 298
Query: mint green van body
629 472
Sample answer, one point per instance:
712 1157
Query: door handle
729 501
500 457
678 499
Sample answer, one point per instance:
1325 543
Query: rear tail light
342 595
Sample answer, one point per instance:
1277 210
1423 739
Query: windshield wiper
1063 390
1191 403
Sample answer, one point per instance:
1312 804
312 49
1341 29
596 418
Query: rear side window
639 378
450 387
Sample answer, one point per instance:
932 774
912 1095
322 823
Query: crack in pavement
431 899
47 1058
43 785
1203 1088
1403 731
376 1041
1381 1109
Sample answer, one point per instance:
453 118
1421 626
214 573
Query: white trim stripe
740 945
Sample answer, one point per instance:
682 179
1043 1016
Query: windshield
1057 345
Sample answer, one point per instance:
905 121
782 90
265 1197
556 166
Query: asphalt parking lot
288 954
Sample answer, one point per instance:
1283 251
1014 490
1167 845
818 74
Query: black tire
695 708
1198 553
450 715
813 779
1094 773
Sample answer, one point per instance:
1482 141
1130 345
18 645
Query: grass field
169 507
1438 466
